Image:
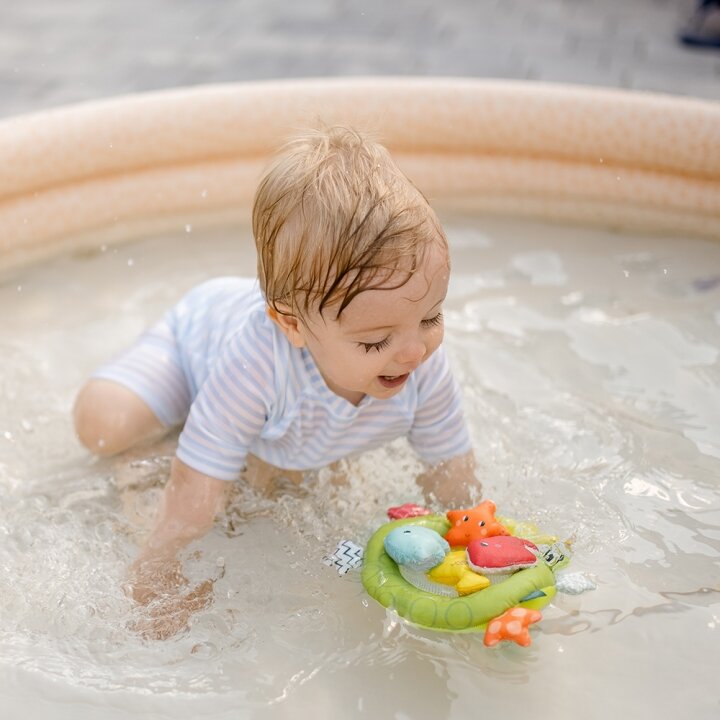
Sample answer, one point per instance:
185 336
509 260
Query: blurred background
54 52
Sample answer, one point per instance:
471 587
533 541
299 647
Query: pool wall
124 167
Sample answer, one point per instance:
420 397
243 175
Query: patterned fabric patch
347 556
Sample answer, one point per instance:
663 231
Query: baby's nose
411 352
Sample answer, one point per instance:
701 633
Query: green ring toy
469 613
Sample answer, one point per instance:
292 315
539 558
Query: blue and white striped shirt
253 392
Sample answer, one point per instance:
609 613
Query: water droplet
188 228
101 443
19 288
204 194
26 425
8 435
130 262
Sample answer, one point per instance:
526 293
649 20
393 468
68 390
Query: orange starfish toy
473 524
512 625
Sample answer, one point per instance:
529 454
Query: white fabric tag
347 556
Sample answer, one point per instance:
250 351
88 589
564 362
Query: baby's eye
378 346
429 322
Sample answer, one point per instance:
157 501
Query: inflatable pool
613 421
128 166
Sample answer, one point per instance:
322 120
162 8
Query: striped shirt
253 392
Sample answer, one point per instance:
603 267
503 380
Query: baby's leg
110 418
137 397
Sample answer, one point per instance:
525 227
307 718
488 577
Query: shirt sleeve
230 409
439 431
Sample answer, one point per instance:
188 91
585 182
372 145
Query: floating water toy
407 510
464 572
501 556
478 522
455 571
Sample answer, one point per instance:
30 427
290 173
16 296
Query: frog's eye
465 518
481 523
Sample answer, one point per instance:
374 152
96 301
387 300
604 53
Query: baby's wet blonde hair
334 216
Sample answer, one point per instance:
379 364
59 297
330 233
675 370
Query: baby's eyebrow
377 328
365 331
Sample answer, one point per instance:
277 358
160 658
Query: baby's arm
190 502
189 505
225 417
452 483
441 437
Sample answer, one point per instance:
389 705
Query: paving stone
54 52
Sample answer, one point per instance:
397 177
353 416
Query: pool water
590 366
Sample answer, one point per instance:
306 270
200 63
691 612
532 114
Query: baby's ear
290 325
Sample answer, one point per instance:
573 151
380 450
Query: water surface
590 368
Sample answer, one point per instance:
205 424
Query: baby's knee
110 418
93 423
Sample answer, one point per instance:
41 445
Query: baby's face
382 335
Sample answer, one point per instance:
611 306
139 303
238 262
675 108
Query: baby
334 350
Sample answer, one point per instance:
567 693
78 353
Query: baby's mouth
392 381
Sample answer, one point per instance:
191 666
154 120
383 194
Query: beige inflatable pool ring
132 165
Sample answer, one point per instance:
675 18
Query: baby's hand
452 483
189 504
158 585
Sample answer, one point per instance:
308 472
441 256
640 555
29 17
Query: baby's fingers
199 597
168 615
152 579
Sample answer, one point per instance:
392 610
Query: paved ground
61 51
